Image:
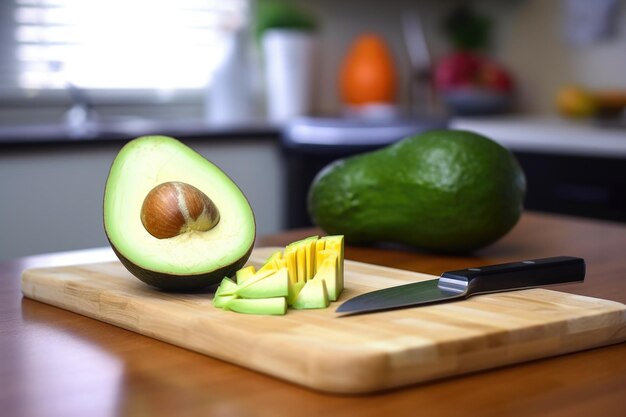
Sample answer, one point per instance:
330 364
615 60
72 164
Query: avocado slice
301 262
271 264
221 300
291 261
175 220
258 276
309 247
275 285
244 273
225 292
319 246
336 243
264 306
329 273
313 295
302 241
305 254
227 287
293 291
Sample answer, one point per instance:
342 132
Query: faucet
81 113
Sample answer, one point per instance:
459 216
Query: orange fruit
368 74
575 102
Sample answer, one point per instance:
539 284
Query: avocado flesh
293 291
313 263
271 264
447 191
275 285
224 293
226 287
312 296
335 244
305 254
261 306
329 272
243 274
220 301
191 260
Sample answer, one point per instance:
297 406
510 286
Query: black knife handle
514 275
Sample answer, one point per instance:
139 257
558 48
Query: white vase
290 58
229 98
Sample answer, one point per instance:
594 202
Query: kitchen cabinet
573 168
588 186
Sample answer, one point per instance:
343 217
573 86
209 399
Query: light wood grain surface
359 354
58 363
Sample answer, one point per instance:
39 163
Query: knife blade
461 284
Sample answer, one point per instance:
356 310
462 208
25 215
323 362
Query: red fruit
495 77
456 70
464 69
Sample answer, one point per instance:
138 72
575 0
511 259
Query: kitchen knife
461 284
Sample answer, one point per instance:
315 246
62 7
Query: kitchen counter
544 135
124 129
58 363
527 134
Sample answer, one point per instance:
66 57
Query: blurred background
271 91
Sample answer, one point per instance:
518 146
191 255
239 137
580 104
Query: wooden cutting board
355 354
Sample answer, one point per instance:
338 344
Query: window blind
122 44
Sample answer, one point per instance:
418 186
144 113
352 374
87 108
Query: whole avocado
443 190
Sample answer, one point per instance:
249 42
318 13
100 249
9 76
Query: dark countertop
24 135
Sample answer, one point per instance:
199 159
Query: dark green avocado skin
445 191
182 283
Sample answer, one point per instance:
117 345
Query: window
122 44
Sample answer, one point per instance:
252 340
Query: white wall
534 45
51 197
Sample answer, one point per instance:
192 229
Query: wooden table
57 363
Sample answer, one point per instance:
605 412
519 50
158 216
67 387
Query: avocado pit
173 208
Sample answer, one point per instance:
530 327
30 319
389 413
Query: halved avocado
202 253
